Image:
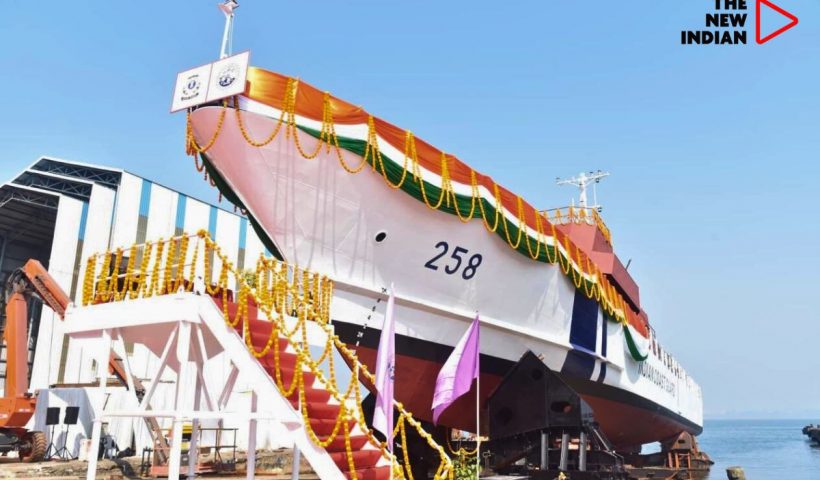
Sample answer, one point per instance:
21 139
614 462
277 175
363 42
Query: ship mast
582 181
227 7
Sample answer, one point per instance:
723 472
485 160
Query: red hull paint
415 380
625 425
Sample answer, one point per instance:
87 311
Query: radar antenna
582 181
227 7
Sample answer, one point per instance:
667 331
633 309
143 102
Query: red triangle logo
777 9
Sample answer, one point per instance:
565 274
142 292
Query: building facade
61 212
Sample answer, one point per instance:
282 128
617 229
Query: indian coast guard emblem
191 88
228 75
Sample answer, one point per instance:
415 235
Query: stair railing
280 291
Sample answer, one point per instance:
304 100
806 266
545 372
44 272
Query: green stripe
393 171
633 346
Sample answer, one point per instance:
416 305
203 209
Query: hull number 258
454 263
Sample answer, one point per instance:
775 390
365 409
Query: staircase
169 276
322 408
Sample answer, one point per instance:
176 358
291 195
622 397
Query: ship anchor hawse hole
380 236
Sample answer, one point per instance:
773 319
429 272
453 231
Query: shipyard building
61 212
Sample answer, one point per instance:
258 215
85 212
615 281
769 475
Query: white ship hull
365 236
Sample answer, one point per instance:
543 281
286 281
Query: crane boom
17 405
46 287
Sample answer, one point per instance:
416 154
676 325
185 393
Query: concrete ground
269 464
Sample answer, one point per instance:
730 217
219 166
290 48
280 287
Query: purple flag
385 371
458 372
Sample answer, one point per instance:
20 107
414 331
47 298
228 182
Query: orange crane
18 403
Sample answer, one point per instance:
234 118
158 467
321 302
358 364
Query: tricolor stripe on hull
311 110
541 245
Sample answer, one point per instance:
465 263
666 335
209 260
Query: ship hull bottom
628 420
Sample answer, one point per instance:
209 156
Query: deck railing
578 215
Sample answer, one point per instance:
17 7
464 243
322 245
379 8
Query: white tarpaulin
270 434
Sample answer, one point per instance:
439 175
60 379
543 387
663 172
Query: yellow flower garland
329 139
279 290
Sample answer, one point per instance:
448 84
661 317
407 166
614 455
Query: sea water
766 449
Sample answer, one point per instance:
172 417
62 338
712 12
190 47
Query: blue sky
713 149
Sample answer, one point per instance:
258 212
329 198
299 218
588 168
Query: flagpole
477 429
392 402
478 408
227 34
455 379
385 372
223 52
477 418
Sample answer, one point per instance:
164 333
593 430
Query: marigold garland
279 290
583 279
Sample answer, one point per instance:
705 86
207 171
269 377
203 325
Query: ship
336 190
